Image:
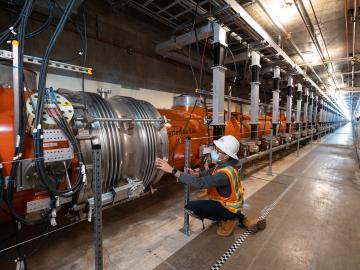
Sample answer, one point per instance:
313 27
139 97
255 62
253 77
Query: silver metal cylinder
288 109
306 105
289 100
254 107
128 149
187 101
275 108
298 103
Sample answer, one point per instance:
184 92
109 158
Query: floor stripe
220 262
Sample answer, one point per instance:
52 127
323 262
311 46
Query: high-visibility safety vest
235 201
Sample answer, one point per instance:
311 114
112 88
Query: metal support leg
186 228
97 189
312 135
16 87
298 141
242 172
270 152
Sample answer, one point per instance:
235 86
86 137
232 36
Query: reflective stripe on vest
235 201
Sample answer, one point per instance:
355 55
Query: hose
21 132
38 131
46 24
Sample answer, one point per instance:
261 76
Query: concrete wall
121 48
161 100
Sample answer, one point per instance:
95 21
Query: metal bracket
97 212
41 204
186 227
51 138
8 55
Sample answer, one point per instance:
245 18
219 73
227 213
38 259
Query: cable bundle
13 31
47 180
38 131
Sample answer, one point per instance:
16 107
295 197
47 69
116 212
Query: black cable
192 68
5 35
84 59
46 24
38 151
83 41
236 71
21 131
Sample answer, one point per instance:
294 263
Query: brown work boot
254 225
226 228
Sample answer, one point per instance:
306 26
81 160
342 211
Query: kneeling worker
224 189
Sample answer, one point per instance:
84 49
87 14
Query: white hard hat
229 145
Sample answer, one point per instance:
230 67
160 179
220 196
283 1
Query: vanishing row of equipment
132 134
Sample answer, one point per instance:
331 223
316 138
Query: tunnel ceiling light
281 11
309 56
340 100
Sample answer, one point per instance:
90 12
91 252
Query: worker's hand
163 165
192 172
207 162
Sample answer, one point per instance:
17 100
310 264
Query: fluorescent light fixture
282 11
340 100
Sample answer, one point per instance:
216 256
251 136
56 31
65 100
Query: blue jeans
212 210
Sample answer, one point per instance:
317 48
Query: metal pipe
235 99
276 97
354 42
16 87
218 76
351 72
287 36
185 229
312 135
309 26
245 17
316 111
306 105
289 104
311 109
266 152
298 105
322 36
270 152
346 30
337 60
254 109
121 119
97 190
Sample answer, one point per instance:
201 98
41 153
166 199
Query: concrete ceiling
330 15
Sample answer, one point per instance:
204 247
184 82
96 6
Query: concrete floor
313 226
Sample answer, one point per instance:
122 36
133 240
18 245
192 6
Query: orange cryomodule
7 146
185 121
